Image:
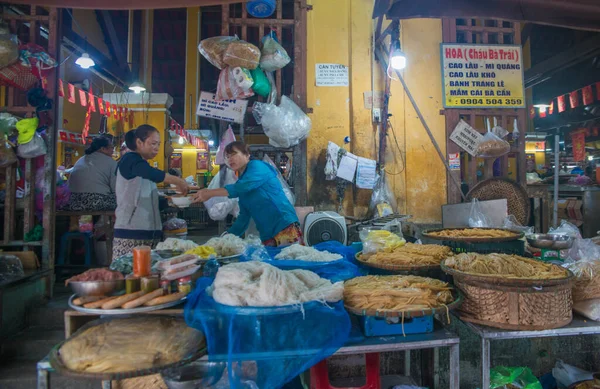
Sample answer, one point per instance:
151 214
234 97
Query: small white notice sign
347 168
227 110
466 137
330 74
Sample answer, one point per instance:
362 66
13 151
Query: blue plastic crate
382 326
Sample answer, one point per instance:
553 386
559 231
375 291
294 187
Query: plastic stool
65 247
319 375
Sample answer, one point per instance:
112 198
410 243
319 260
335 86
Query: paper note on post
347 168
366 174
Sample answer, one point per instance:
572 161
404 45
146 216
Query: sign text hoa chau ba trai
482 76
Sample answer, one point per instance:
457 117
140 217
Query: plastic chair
319 374
66 245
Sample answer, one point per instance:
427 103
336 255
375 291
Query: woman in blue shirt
261 198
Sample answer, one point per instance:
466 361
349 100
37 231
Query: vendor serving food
261 198
138 220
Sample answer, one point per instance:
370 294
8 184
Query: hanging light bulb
85 62
181 141
398 59
137 87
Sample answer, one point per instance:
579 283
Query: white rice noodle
176 245
304 253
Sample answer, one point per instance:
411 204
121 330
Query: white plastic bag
566 375
234 83
219 207
477 219
383 201
273 56
286 125
588 308
384 239
492 146
511 223
286 188
226 139
32 149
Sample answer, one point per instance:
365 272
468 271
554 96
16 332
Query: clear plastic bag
234 83
10 268
214 48
566 228
584 261
7 155
32 149
588 308
286 188
9 50
219 207
566 375
226 139
8 123
492 146
286 125
174 224
477 219
383 201
511 223
274 56
241 54
380 240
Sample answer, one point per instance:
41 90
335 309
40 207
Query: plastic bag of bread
273 56
213 49
130 344
492 146
241 54
9 50
234 83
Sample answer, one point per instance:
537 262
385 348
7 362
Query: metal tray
517 235
123 311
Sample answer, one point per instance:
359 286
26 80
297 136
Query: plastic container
142 261
261 8
183 273
184 285
380 326
167 265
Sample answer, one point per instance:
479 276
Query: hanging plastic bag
7 155
274 56
383 201
492 145
286 188
34 148
477 219
510 377
226 139
261 85
286 125
219 207
375 240
274 93
9 50
241 54
8 123
234 83
213 49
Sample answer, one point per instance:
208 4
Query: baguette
142 300
98 304
116 303
165 299
87 299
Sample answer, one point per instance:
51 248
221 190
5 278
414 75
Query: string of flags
584 96
192 139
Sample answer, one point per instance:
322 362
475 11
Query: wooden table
110 216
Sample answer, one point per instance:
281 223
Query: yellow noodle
505 265
411 254
473 233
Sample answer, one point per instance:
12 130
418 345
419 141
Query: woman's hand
182 186
201 196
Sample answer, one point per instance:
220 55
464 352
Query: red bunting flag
91 102
61 88
531 112
578 139
86 124
562 105
107 108
574 99
120 113
63 135
116 111
551 109
71 98
543 112
82 98
131 119
100 106
588 95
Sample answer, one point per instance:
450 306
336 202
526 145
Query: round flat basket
458 300
516 235
513 304
516 196
394 268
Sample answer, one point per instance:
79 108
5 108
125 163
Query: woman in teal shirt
261 198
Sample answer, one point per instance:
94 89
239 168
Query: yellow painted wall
417 175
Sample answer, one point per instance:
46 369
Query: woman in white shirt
92 180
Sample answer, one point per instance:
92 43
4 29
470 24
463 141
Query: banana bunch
384 240
202 251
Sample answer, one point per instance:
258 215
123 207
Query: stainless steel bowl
198 374
97 288
550 241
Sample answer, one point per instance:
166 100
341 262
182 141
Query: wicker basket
522 305
148 382
516 196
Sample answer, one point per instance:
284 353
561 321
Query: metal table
439 338
579 326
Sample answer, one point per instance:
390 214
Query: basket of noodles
399 296
473 235
406 259
511 292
